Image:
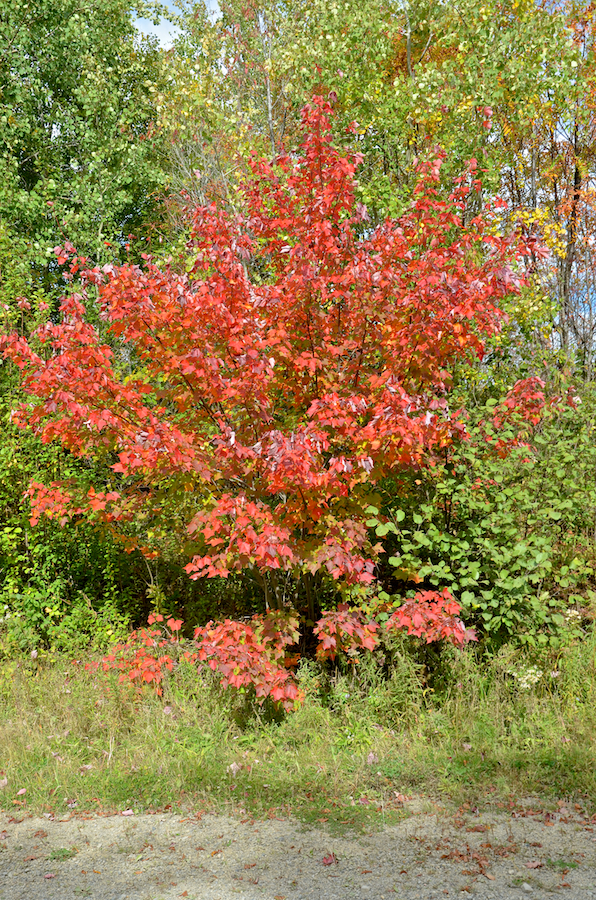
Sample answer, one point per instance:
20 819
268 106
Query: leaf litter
432 853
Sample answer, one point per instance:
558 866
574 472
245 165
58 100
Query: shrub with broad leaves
253 404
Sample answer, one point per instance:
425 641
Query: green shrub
510 536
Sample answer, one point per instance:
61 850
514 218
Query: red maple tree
259 397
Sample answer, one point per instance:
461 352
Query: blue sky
164 31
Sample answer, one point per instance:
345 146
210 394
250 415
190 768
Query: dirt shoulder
430 855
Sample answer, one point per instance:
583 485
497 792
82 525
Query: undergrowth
465 728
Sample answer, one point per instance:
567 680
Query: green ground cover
478 731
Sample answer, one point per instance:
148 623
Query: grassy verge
70 739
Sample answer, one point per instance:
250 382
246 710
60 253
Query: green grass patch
561 865
74 740
62 853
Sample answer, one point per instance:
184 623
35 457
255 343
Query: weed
363 736
561 865
62 853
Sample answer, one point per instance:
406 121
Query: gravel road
430 855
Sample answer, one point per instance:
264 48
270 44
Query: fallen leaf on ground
330 860
533 865
49 875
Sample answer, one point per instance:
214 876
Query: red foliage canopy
301 358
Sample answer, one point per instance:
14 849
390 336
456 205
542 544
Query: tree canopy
296 307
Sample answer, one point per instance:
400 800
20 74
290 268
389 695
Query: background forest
471 128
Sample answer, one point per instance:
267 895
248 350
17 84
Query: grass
561 865
74 740
62 853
